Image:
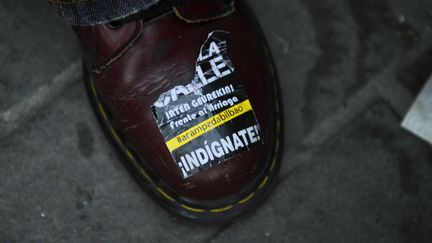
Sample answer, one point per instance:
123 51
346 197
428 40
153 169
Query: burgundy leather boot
189 96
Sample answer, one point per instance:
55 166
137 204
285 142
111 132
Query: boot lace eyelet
114 25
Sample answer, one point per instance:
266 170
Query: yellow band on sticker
208 125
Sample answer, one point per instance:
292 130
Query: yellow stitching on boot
273 164
102 111
277 126
263 182
277 107
277 146
130 155
144 173
93 88
196 210
115 135
220 210
163 193
249 197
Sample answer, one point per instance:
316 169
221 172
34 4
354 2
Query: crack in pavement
21 112
397 96
346 113
380 87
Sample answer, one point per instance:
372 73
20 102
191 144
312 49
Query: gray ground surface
349 71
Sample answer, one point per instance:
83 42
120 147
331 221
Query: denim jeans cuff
92 12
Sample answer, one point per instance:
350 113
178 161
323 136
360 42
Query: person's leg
92 12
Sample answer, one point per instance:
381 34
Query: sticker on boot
210 119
